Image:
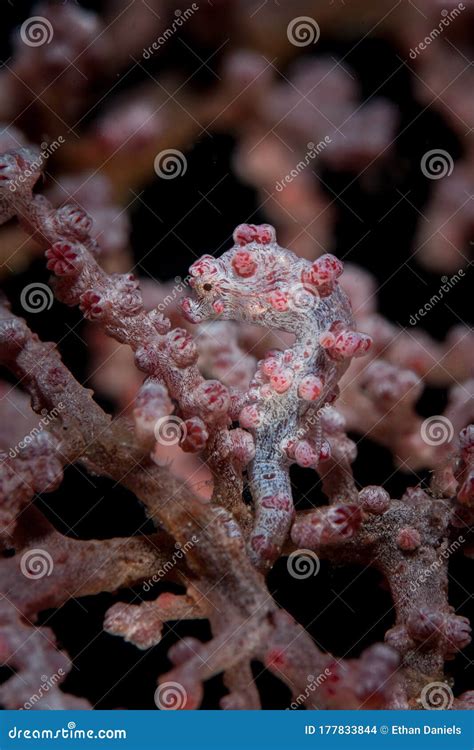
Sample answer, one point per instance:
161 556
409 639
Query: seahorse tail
274 511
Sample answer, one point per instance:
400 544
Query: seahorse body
261 283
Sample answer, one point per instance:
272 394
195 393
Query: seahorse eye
207 287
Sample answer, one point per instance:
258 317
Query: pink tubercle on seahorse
261 283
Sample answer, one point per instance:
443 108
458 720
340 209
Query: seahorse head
259 282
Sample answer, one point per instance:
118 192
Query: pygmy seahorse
261 283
